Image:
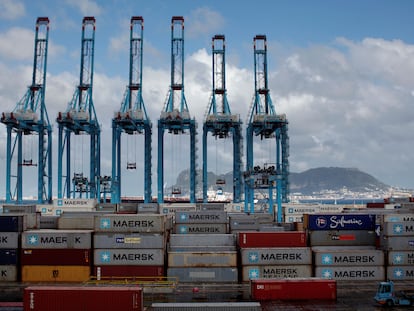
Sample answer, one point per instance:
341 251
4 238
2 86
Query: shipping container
24 209
49 238
342 238
272 239
171 209
397 243
84 221
351 273
129 240
205 306
38 273
78 203
400 258
394 217
204 275
48 222
58 257
339 221
149 223
276 256
202 259
201 248
9 239
129 257
9 256
105 272
91 298
51 210
211 206
293 289
291 218
398 228
127 208
276 272
300 209
341 256
12 223
200 240
9 273
150 208
205 217
400 273
200 228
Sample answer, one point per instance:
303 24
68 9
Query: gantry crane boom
80 118
175 117
265 123
219 120
28 118
132 118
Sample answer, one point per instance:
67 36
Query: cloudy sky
342 72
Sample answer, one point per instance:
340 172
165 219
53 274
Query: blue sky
342 71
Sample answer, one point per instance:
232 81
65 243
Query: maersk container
276 256
150 208
300 209
200 228
171 209
9 273
148 223
84 221
291 218
272 239
129 240
49 238
396 243
400 273
9 239
201 306
348 257
200 240
397 217
58 256
276 272
58 273
351 273
339 221
79 203
126 257
127 208
12 223
211 206
342 238
202 259
91 298
115 272
400 258
49 222
293 289
9 256
24 209
204 275
398 228
204 217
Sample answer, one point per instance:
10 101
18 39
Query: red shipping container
293 289
272 239
52 257
106 272
71 298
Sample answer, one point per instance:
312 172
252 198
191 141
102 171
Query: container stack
293 213
397 239
49 255
129 245
274 255
201 222
343 247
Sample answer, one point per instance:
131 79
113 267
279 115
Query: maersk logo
183 217
253 273
183 229
290 210
33 239
105 223
326 259
321 222
253 257
327 273
398 273
397 228
105 257
397 258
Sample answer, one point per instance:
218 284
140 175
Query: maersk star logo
105 257
326 259
397 259
183 229
253 273
327 273
105 223
183 216
253 257
33 239
397 228
398 273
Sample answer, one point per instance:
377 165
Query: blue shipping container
11 223
8 257
340 222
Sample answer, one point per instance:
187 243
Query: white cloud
22 47
11 9
204 21
86 7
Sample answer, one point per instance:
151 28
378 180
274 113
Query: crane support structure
266 124
175 119
132 118
80 118
29 118
219 120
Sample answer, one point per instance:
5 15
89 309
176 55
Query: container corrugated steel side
351 257
272 239
403 243
205 217
128 240
352 273
49 238
339 221
38 273
136 256
398 228
91 298
9 239
201 248
394 217
9 256
200 228
150 223
9 273
61 257
171 209
86 221
202 259
293 289
49 222
276 272
12 223
342 238
105 272
400 258
202 306
206 275
151 208
400 273
276 256
211 206
181 240
9 208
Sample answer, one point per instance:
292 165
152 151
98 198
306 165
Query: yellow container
55 273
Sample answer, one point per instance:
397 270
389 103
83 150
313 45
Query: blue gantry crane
175 117
266 124
79 119
30 118
220 121
132 118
